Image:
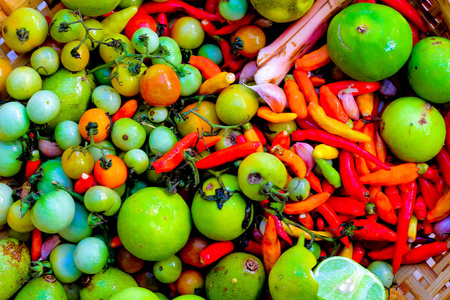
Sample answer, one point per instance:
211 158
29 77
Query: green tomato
24 224
23 82
173 55
91 255
45 60
5 202
187 32
9 154
108 53
145 40
62 34
190 79
161 140
67 134
43 106
137 185
78 228
103 76
14 121
211 51
52 170
233 10
95 34
107 98
158 114
128 134
168 270
315 249
63 263
137 160
298 189
53 212
383 271
102 199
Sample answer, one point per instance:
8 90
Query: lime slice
341 278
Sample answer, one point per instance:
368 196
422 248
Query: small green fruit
46 287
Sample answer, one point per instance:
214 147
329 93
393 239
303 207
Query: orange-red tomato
190 282
160 85
111 173
251 40
99 117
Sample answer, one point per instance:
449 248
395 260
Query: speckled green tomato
144 39
228 138
45 60
108 149
63 263
17 223
257 170
53 212
128 134
141 115
14 121
9 152
161 140
75 31
383 271
105 284
15 261
174 55
79 228
68 135
154 224
106 98
158 114
23 82
5 202
298 189
236 104
168 270
102 199
137 160
52 170
221 223
109 54
90 255
134 293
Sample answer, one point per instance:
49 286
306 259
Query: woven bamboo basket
426 281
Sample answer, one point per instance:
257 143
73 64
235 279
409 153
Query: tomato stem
72 193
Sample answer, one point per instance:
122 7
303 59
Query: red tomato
138 21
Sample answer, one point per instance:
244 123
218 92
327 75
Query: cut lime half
341 278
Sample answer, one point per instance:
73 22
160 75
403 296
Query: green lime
369 42
413 129
282 11
429 71
341 278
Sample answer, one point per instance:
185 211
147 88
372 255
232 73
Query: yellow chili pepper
334 126
347 252
116 22
365 103
412 229
216 83
325 152
264 112
294 231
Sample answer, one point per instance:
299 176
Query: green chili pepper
329 172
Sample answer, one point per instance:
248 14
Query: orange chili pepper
314 59
216 83
380 146
207 67
365 104
307 205
385 209
264 112
399 174
306 86
373 190
206 142
126 111
314 182
361 166
251 136
317 81
306 220
295 98
370 147
260 134
295 161
441 210
332 105
271 247
115 242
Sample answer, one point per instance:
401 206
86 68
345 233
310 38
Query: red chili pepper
372 231
240 139
358 251
215 251
236 63
415 33
115 242
161 19
314 182
33 163
333 221
387 252
208 27
347 206
408 194
361 86
332 105
271 247
254 248
126 111
408 11
36 244
307 123
260 134
349 177
280 230
443 159
336 141
307 220
440 185
283 139
424 252
108 14
172 6
206 142
420 208
207 67
429 192
447 127
394 196
226 50
431 174
211 6
320 224
232 27
172 158
83 184
427 227
376 106
327 187
227 155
